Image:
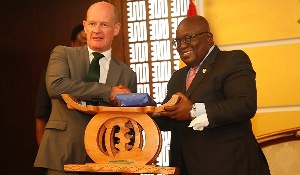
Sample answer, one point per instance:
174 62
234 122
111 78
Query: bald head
196 22
99 6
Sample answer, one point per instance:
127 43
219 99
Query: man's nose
97 29
183 44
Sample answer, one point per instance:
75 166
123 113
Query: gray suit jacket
63 141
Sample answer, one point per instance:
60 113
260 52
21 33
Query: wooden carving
120 139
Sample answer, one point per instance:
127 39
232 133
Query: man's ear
117 28
210 37
84 23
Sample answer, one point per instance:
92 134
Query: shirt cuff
200 109
201 121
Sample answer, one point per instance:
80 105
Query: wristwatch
193 112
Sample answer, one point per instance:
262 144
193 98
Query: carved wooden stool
120 139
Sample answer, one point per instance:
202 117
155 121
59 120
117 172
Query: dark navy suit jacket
225 83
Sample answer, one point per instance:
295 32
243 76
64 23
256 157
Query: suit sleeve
238 87
65 74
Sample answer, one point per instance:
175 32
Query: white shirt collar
107 54
210 49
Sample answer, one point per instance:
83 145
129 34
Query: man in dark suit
210 125
63 140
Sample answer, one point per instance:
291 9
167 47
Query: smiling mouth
186 53
97 38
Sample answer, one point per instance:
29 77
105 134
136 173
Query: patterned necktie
94 70
191 76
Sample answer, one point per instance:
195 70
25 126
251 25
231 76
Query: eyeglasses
186 39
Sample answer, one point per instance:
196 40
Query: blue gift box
135 100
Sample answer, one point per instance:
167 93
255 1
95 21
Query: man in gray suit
63 141
43 101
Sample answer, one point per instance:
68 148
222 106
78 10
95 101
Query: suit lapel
114 72
82 59
182 77
203 70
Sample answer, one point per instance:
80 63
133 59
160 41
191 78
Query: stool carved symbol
120 139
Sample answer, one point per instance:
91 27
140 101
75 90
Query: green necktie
94 70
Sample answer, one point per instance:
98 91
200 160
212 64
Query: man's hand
180 111
121 89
